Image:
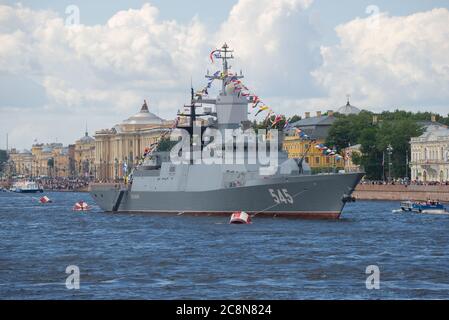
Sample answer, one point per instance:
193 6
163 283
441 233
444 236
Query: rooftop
316 127
348 109
434 132
315 121
427 124
144 116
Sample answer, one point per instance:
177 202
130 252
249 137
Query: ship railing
109 185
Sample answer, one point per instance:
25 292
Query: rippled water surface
135 256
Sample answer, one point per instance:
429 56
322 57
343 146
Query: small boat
81 206
429 206
26 187
407 205
240 217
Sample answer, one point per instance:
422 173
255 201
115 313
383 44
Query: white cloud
132 56
101 73
110 68
275 44
391 62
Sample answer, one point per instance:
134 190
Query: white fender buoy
240 217
81 206
45 199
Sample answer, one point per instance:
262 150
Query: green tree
371 158
397 134
444 120
3 156
50 166
393 128
3 160
165 144
356 158
295 118
346 130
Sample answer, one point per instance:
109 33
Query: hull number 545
281 196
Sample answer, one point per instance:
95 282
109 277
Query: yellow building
21 162
51 160
84 156
43 155
298 148
63 161
125 143
316 128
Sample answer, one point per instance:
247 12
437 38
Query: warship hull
306 196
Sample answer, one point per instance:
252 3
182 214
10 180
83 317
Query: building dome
348 109
86 138
144 116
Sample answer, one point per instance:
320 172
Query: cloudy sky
58 72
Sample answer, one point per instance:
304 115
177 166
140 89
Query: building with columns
430 155
84 156
125 143
21 162
51 159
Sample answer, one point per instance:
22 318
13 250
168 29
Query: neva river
138 256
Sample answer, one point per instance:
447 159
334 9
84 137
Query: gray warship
159 185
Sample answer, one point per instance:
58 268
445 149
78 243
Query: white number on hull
281 196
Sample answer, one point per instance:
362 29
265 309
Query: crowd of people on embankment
63 184
403 182
58 183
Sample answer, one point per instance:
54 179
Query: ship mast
224 54
230 106
224 57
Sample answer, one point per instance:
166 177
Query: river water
138 256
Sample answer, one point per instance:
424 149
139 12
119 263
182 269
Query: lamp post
91 169
406 163
115 169
389 151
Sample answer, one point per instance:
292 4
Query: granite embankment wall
401 192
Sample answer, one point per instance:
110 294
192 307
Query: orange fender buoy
240 217
81 206
45 199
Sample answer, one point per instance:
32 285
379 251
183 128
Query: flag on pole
212 54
